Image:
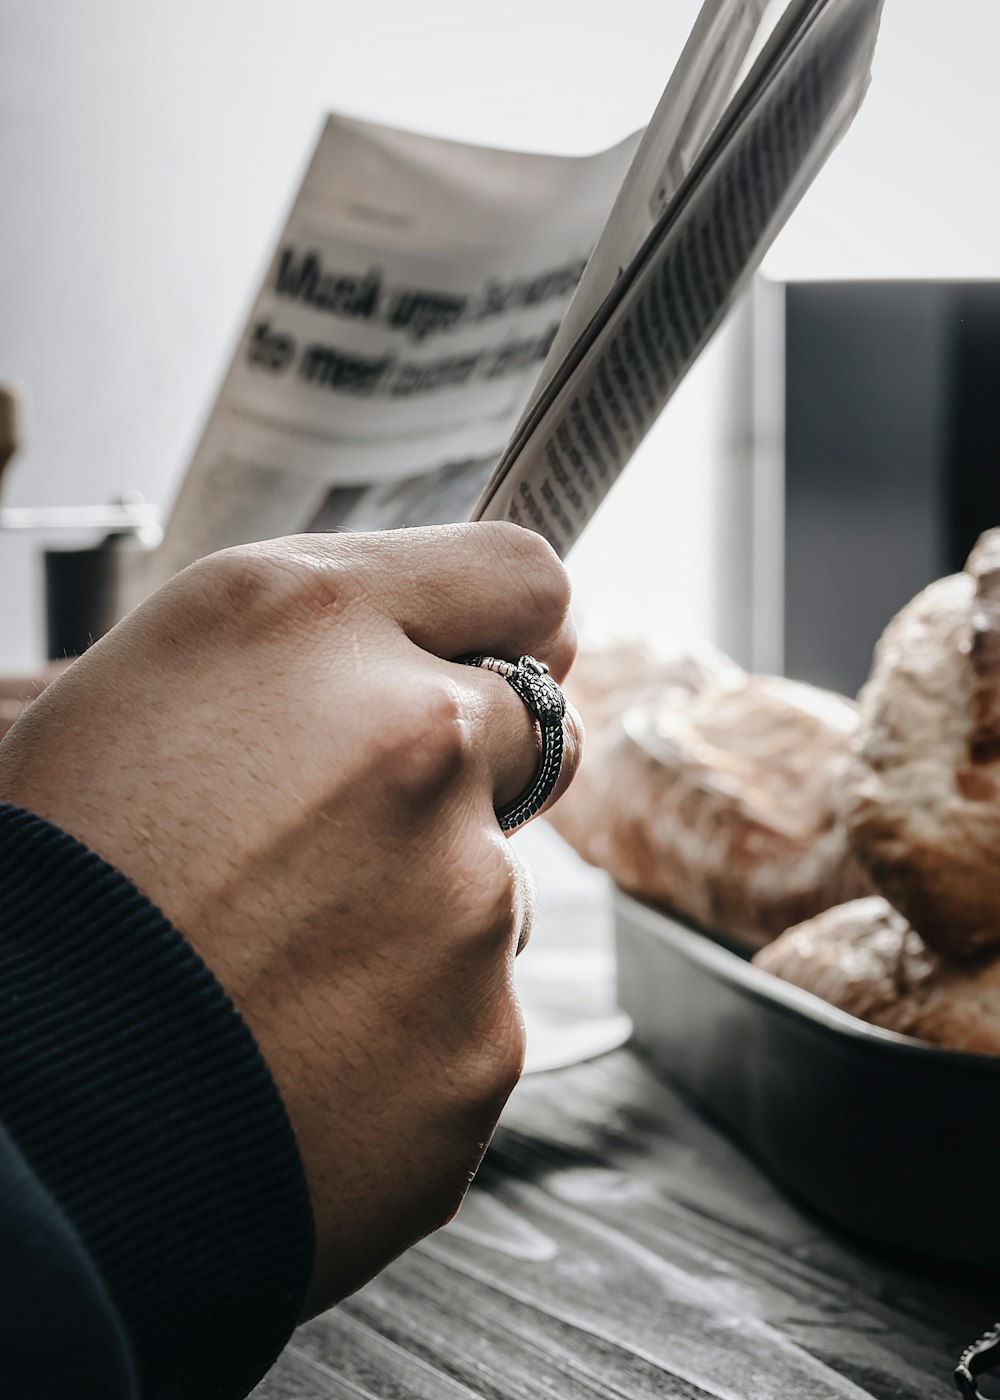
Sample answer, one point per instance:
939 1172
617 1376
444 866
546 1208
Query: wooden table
615 1245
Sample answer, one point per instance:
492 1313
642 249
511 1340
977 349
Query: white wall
147 153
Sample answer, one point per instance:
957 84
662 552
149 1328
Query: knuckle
495 1064
312 582
274 580
496 889
428 741
237 570
483 898
510 1062
541 566
231 584
533 560
562 647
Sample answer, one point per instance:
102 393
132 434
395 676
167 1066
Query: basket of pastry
808 907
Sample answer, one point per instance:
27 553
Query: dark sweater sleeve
147 1163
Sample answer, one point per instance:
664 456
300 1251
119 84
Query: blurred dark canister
862 461
86 590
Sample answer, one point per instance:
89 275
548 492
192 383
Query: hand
277 749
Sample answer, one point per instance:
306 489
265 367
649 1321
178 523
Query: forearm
139 1102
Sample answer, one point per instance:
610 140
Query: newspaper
692 103
412 297
587 421
449 332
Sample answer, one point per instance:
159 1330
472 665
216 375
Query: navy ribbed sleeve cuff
138 1095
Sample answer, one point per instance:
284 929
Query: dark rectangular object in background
874 428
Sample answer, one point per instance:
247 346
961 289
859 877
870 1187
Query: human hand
277 750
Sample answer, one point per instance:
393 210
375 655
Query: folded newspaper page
692 102
585 422
413 296
449 332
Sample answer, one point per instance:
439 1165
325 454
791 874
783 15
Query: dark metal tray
893 1140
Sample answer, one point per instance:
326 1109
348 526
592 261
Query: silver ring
540 693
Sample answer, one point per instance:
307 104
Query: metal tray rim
699 946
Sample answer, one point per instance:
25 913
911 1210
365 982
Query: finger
453 589
508 740
527 889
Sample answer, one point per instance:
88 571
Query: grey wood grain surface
615 1245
